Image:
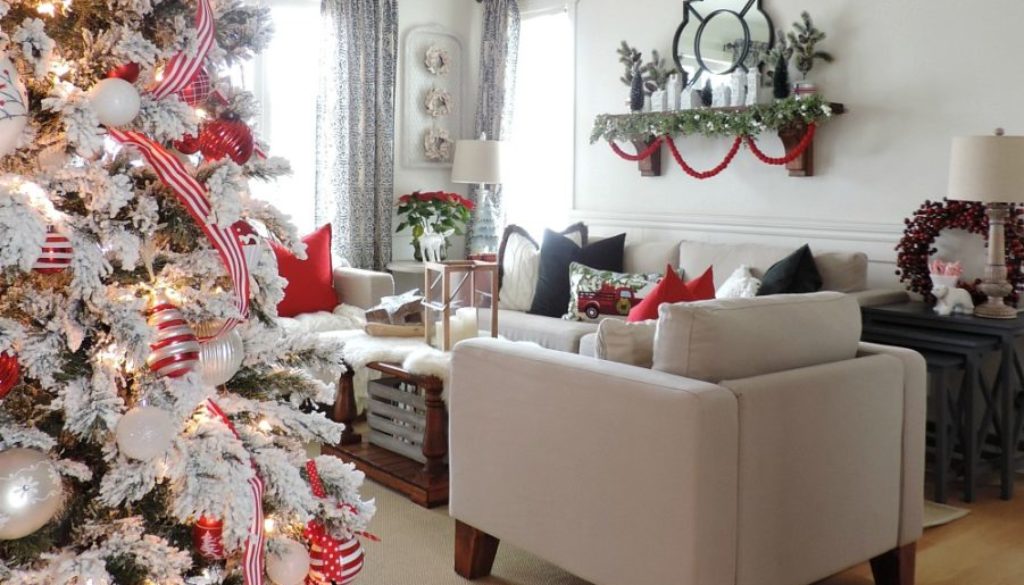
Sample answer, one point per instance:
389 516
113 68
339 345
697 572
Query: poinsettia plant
441 211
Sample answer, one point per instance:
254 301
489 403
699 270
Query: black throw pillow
551 297
794 274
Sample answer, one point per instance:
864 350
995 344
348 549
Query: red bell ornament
198 90
176 349
10 372
128 72
56 255
207 538
226 137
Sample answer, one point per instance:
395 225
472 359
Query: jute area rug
417 548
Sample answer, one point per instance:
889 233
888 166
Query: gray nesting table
968 341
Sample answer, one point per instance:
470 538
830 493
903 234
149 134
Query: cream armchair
630 476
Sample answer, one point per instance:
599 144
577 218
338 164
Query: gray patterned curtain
356 127
499 51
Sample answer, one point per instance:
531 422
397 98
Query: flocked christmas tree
485 237
152 412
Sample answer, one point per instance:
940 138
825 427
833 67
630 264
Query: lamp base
995 285
995 309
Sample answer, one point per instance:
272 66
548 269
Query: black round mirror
718 36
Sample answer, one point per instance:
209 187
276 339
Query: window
538 192
286 83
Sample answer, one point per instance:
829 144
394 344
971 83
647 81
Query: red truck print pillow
600 292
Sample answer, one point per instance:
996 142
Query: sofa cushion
311 281
557 334
646 257
519 260
794 274
588 345
551 296
626 343
739 338
840 271
593 293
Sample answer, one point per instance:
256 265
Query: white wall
912 73
463 18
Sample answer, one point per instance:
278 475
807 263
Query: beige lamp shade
989 169
477 161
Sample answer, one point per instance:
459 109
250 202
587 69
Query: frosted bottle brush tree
126 159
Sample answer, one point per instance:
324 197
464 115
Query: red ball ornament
128 72
226 137
176 349
10 371
187 145
56 255
332 560
207 538
198 90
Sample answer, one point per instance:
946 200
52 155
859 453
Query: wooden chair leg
895 567
474 551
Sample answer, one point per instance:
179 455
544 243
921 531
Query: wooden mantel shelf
791 135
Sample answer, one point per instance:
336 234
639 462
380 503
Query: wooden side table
424 483
916 325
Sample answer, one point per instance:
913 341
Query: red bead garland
918 243
705 174
791 156
640 156
798 151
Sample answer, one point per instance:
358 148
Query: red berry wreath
918 243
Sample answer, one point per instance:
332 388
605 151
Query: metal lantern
460 299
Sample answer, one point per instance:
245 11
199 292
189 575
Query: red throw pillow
310 281
672 289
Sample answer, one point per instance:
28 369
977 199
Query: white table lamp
479 162
990 170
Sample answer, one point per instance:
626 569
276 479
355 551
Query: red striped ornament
10 372
331 560
176 349
57 253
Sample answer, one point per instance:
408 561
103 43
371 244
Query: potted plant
803 41
435 212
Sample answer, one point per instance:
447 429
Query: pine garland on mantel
713 122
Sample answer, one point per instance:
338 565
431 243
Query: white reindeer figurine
952 300
432 242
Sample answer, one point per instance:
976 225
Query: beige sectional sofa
765 446
845 272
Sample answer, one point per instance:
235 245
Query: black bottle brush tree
643 79
803 40
801 46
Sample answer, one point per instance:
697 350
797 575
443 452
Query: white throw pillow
741 284
521 268
626 343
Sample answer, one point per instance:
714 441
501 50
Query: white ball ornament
115 101
30 492
219 357
145 432
288 563
13 106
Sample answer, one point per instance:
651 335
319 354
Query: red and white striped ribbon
252 567
182 68
192 195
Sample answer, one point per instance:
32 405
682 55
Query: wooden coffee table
426 482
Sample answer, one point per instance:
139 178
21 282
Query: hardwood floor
985 548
